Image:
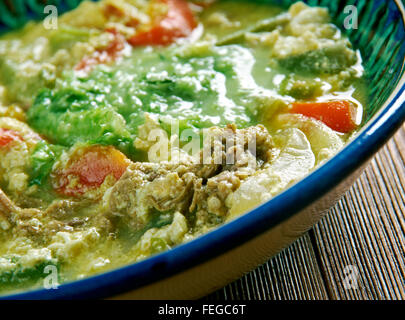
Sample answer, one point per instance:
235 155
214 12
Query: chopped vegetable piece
328 60
111 10
301 87
179 22
67 36
69 116
7 136
88 168
42 160
265 25
338 115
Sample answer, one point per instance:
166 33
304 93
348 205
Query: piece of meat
66 209
11 215
229 156
41 225
7 209
144 186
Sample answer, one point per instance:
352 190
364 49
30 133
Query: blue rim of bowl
259 220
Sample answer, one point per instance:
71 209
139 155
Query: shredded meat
10 213
198 186
39 224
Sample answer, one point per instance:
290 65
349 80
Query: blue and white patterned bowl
196 268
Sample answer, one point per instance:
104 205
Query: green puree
200 85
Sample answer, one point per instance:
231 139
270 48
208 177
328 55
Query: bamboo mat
356 252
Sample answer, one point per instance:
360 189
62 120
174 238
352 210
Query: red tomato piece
7 136
89 168
179 22
338 115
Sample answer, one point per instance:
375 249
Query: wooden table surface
356 252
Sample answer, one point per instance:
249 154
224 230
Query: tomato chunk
179 22
111 10
338 115
7 136
87 169
105 55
